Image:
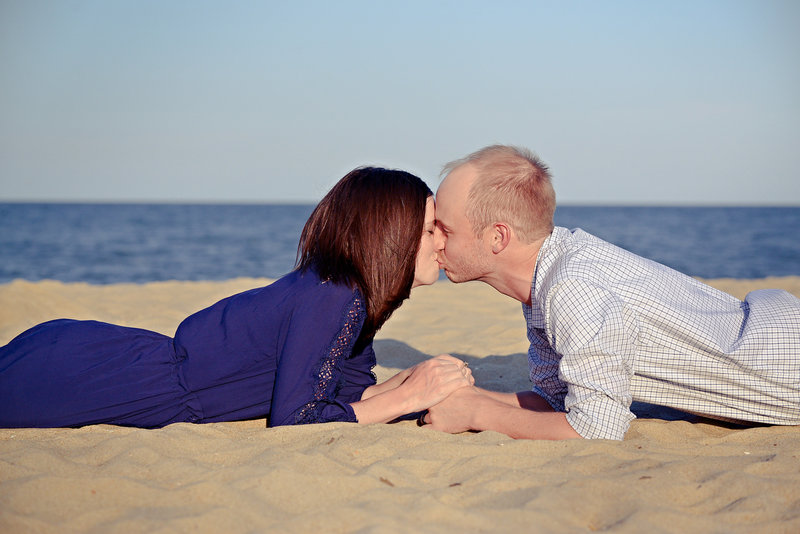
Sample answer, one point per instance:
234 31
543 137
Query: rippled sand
671 474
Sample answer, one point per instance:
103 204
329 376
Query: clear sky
629 102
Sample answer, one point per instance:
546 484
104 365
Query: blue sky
641 102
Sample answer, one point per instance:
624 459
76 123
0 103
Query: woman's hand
413 390
431 381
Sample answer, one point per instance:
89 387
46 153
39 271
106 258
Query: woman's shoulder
321 301
308 283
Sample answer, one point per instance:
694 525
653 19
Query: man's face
462 256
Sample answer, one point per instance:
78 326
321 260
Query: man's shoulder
565 255
571 254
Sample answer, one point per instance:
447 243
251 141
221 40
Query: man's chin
453 277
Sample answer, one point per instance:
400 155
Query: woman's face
427 267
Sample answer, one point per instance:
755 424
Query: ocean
114 243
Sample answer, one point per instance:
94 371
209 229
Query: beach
672 473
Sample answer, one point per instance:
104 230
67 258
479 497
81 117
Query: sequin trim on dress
327 373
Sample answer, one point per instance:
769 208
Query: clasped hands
431 381
434 380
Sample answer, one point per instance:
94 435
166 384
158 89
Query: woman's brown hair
366 233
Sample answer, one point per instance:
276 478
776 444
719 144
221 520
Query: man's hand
454 414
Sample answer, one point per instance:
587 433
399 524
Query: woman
296 351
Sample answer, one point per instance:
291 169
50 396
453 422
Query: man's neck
515 270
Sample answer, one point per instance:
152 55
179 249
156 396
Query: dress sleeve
358 374
311 365
596 336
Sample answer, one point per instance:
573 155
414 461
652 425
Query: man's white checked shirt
607 327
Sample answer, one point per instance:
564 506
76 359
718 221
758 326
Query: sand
670 474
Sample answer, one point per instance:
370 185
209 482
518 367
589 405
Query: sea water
113 243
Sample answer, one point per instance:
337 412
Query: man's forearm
524 399
515 415
510 399
521 423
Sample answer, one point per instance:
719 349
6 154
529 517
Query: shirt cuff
600 418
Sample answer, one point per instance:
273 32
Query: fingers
431 381
447 358
458 371
467 374
450 358
456 379
442 364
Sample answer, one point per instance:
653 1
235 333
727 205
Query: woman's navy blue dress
286 351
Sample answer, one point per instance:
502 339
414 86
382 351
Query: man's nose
438 238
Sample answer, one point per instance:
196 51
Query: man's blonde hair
513 186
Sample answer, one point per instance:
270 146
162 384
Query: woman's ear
501 237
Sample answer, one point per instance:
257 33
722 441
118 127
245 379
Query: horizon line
285 202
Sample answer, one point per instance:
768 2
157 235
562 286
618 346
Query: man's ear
501 237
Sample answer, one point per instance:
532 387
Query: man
606 326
